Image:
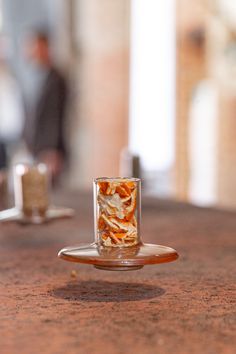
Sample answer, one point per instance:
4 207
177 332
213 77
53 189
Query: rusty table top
188 306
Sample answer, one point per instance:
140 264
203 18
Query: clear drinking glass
117 211
31 188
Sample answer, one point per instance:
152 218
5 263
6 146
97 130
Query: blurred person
11 115
45 114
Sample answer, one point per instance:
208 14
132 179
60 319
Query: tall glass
117 211
31 187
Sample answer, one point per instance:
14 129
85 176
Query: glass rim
29 164
113 179
21 167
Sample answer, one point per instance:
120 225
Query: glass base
118 268
52 212
128 258
33 219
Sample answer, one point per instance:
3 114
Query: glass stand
110 258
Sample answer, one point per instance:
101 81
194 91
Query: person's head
38 48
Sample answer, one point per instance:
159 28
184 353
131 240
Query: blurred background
150 92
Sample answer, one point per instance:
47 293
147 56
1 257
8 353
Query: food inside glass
117 211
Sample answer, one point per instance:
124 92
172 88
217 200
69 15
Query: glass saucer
114 258
53 212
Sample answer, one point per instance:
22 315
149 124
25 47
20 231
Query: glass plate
114 258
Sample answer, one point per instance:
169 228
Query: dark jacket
46 129
3 156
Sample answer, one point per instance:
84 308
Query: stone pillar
227 151
100 128
191 69
221 54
